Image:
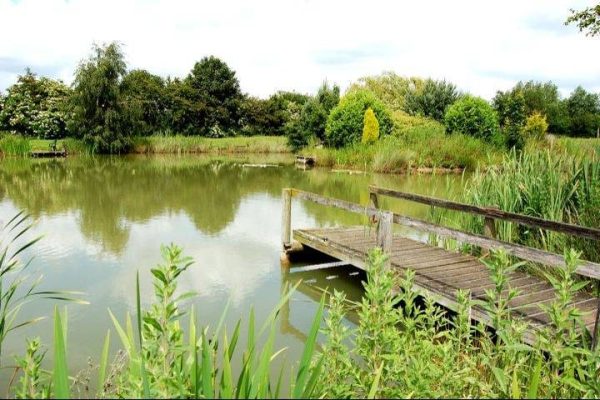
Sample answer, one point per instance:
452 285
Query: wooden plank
586 268
563 227
316 267
286 217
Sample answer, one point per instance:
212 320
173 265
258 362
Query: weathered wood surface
441 273
586 268
492 212
48 153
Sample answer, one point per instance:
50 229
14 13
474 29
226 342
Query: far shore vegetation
415 123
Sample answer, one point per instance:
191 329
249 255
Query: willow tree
100 116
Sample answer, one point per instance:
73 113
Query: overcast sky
481 46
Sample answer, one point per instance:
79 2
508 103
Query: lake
104 218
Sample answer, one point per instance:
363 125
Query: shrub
432 100
345 123
405 124
472 116
371 127
535 127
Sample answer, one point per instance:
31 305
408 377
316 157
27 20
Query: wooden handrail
586 268
534 222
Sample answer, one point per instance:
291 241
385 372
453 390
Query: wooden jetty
440 272
305 161
48 153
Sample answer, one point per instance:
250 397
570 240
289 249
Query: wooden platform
440 273
48 153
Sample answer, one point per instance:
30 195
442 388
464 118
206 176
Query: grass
579 147
11 145
402 347
195 144
423 146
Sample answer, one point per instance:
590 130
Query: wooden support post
385 231
375 204
489 230
286 218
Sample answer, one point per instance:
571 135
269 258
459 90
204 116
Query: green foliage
510 107
35 107
146 95
542 184
215 89
162 363
584 111
472 116
101 117
345 122
313 117
545 99
389 87
587 20
403 349
370 132
432 99
14 145
535 127
272 117
17 288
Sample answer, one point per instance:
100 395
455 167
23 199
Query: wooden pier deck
440 272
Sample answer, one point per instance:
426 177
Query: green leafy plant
370 132
472 116
346 120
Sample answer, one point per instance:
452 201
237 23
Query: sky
481 46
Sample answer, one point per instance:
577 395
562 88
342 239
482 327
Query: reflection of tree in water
108 193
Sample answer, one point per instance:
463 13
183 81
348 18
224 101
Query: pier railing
386 219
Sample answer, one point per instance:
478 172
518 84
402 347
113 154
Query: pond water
102 219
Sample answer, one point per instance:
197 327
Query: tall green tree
391 88
313 117
215 87
584 111
510 107
35 107
146 93
432 100
544 98
100 116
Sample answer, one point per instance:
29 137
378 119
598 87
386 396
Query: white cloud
275 44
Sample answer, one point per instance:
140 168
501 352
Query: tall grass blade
61 372
307 354
145 384
375 385
103 365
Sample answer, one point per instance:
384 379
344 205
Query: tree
313 117
100 116
273 115
370 132
146 93
510 108
214 85
345 122
432 100
35 107
535 127
389 87
586 20
472 116
545 99
584 111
